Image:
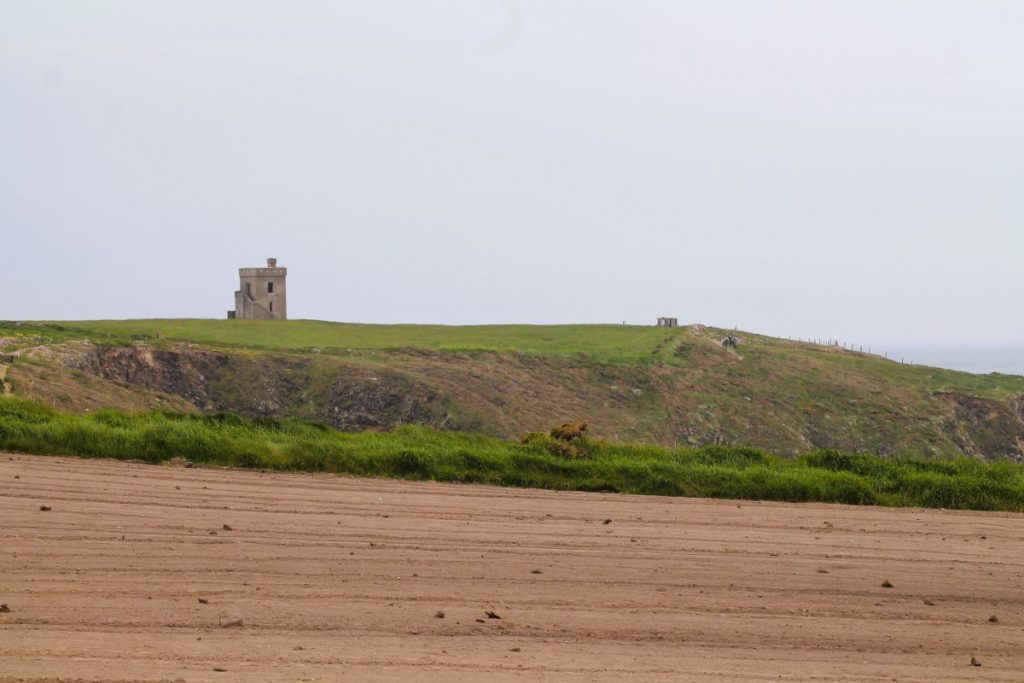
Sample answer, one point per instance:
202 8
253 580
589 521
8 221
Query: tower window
271 306
270 288
248 289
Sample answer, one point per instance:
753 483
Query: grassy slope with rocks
674 387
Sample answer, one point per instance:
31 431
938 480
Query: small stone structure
261 293
668 322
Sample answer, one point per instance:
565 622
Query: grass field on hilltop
614 343
421 453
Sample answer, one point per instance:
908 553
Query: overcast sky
827 169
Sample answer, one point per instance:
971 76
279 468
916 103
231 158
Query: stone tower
261 293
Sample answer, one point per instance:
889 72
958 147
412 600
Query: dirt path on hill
345 579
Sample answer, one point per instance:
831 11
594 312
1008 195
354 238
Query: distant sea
980 360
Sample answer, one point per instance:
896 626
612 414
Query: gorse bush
566 440
414 452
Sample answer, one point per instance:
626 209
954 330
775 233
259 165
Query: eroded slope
670 387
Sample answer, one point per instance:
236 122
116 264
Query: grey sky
828 169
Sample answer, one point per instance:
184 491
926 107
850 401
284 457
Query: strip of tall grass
414 452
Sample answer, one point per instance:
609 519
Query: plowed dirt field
156 573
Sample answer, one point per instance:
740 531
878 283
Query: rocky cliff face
345 397
983 427
184 374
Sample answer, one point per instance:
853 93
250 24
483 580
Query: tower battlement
262 272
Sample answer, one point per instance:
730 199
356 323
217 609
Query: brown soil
324 578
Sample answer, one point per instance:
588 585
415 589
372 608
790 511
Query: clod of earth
219 669
607 521
45 508
234 623
227 528
4 608
993 619
515 649
203 601
492 615
536 571
975 662
480 621
929 603
439 614
886 584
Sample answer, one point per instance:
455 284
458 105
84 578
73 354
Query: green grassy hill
636 384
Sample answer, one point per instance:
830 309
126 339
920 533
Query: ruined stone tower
261 293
